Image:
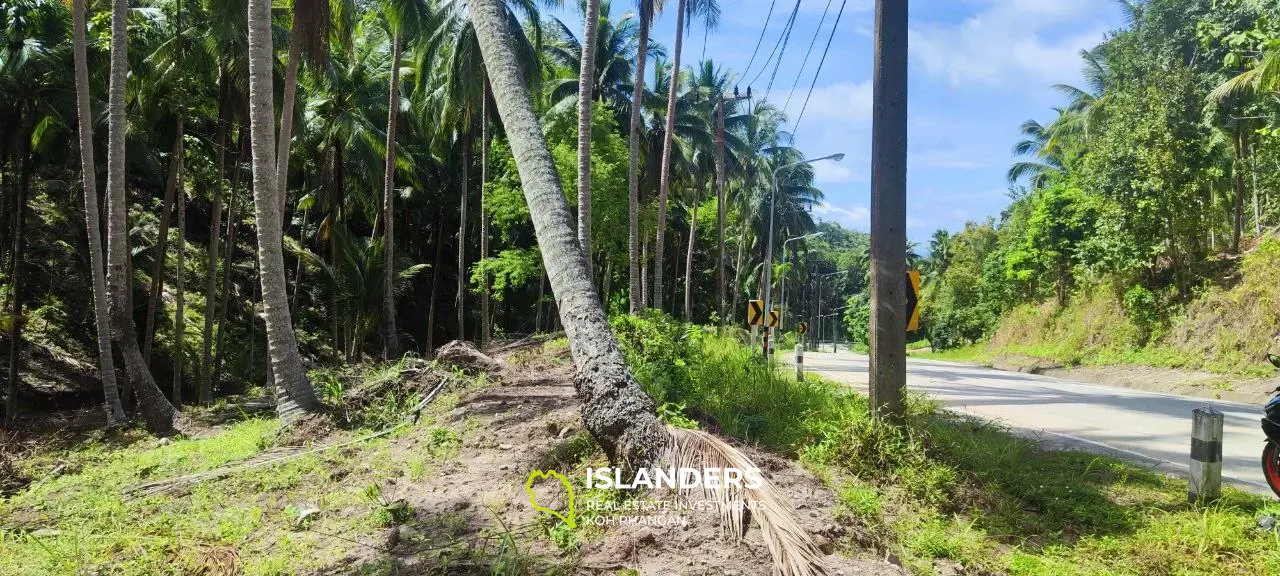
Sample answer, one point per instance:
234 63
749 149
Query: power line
805 62
823 60
786 30
760 39
791 25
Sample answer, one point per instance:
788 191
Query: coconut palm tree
709 10
293 392
156 410
587 70
615 56
462 101
93 221
615 410
648 9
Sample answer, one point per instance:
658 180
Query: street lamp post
817 339
768 247
782 298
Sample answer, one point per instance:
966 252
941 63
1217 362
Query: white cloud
834 173
853 216
1011 42
842 102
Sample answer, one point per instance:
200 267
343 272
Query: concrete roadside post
1204 481
800 359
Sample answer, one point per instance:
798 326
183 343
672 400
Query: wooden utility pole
889 210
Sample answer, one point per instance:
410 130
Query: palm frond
793 552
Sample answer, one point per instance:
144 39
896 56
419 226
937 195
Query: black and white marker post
1204 482
800 359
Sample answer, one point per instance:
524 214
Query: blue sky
978 68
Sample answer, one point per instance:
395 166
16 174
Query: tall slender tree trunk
644 273
286 125
180 320
17 283
485 319
633 171
542 291
688 260
297 272
435 289
460 300
615 410
162 242
93 220
390 339
1257 209
159 414
664 176
1237 174
720 211
224 300
293 390
211 280
737 272
586 82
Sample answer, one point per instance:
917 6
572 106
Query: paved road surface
1146 427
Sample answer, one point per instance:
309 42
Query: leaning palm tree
156 410
294 395
93 221
709 10
616 411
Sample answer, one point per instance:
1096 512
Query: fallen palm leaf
794 553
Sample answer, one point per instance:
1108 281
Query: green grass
81 521
946 488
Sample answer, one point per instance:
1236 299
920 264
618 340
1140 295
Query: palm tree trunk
586 81
688 260
633 170
390 341
664 174
615 410
435 291
16 286
460 300
286 124
225 299
293 391
180 321
162 243
1237 174
297 272
720 211
93 220
644 273
158 413
211 280
484 214
542 290
737 272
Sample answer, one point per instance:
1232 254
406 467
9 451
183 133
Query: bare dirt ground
1150 378
529 420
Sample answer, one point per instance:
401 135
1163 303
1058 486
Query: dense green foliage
451 188
1141 195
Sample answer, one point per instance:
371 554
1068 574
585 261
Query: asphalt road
1148 428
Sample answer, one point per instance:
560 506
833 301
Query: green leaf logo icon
528 488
